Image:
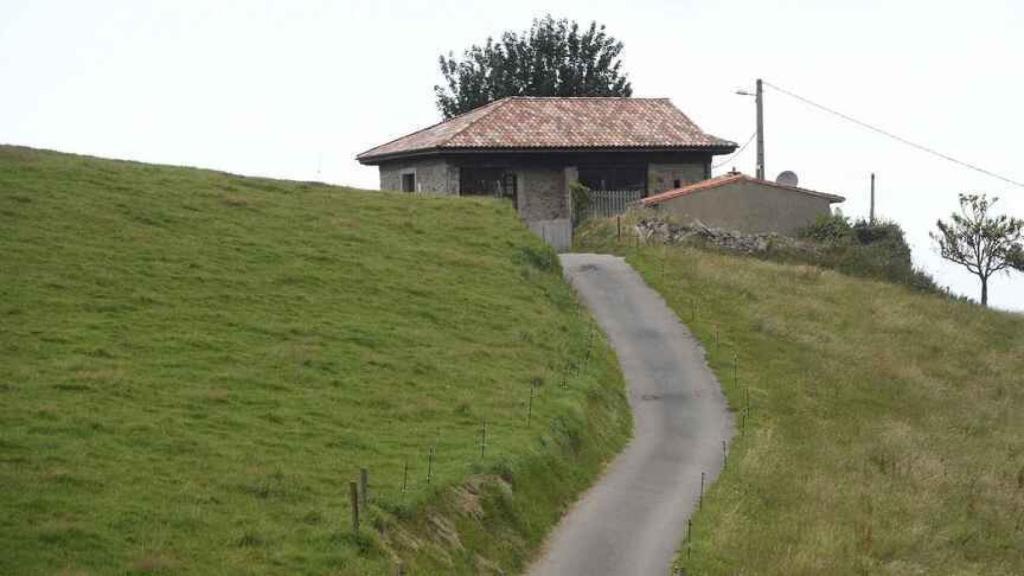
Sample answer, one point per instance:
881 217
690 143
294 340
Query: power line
900 139
730 157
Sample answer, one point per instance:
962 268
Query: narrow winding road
633 520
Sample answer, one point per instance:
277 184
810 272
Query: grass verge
880 427
195 365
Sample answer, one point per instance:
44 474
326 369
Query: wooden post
618 227
760 130
716 337
700 502
689 536
363 484
354 496
430 463
871 217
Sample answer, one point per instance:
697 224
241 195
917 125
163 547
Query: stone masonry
432 176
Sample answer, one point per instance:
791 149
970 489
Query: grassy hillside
194 365
883 430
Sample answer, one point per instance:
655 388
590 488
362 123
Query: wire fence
419 476
417 470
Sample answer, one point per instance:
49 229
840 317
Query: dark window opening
408 182
677 183
483 181
614 178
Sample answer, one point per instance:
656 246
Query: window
614 178
677 183
409 182
487 181
480 181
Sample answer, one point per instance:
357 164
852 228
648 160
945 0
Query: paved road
633 520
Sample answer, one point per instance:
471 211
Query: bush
872 249
830 228
580 201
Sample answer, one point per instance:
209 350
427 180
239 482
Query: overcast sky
296 89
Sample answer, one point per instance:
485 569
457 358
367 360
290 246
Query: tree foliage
982 243
862 248
553 58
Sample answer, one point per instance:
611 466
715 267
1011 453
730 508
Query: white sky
295 89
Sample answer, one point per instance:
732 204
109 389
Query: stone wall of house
748 207
543 193
662 177
432 176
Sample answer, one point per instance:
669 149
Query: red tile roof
729 179
559 123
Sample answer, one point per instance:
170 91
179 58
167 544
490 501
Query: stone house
736 201
530 150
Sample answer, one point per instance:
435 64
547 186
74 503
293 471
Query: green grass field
195 365
884 428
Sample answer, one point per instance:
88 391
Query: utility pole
871 216
759 97
759 100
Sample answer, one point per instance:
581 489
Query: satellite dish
787 178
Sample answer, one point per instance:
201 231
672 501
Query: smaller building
736 201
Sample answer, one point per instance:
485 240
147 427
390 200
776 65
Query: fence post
354 497
430 464
689 537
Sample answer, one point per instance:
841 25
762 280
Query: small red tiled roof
729 179
553 123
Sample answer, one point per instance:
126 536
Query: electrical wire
732 156
888 134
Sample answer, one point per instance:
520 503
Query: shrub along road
632 521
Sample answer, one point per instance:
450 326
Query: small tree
552 58
981 243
